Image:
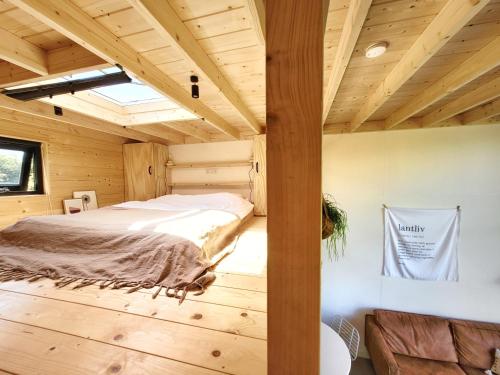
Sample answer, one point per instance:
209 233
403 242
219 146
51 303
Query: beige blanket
113 247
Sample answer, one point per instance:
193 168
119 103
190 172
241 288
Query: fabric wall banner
421 244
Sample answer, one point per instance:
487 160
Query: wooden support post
294 85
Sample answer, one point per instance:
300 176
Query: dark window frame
32 154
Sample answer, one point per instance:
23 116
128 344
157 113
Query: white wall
211 152
430 168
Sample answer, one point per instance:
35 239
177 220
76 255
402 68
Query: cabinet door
140 182
260 189
160 172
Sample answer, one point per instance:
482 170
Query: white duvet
228 202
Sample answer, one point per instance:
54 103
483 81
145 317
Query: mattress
210 221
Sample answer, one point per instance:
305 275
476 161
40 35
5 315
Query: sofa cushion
418 366
476 342
472 370
416 335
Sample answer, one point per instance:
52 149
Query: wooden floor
44 330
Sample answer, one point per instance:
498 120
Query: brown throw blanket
86 249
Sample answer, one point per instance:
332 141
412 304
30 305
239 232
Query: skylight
123 94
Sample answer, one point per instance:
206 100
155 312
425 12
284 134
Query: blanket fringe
198 286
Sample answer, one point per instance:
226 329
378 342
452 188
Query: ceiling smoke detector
376 49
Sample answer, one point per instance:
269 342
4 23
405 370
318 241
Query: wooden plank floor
45 330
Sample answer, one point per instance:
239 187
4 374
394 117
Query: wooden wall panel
75 159
294 75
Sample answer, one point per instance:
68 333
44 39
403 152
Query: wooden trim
258 13
160 15
356 15
449 21
481 113
294 76
71 21
475 66
214 164
22 53
481 95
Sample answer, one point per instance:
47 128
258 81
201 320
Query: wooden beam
68 19
189 128
40 109
258 12
450 20
160 131
481 95
355 18
294 76
60 62
481 62
409 124
160 15
481 113
22 53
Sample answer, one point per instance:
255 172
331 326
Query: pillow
495 369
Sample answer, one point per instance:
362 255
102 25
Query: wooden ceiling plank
355 18
258 12
449 21
479 96
162 17
40 109
68 19
481 113
22 53
481 62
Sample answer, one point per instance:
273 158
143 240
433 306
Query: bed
170 242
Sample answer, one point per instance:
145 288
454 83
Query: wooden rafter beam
160 131
60 62
160 15
258 12
68 19
482 112
481 95
450 20
22 53
355 18
475 66
189 128
44 110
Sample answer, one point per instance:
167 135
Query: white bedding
228 202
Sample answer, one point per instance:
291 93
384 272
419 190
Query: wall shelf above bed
214 164
209 184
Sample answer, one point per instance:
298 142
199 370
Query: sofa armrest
382 358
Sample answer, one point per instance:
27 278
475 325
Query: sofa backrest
414 335
476 342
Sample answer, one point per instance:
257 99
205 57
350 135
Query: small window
20 167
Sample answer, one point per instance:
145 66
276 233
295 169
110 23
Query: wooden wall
75 159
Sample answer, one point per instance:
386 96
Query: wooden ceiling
441 67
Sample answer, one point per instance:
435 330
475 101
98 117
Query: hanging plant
334 226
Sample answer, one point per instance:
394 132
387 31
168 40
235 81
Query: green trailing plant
334 227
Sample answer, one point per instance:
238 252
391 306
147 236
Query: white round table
335 357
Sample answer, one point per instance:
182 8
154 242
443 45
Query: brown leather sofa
402 343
